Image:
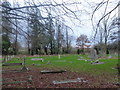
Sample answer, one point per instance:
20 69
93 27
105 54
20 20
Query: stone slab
52 71
11 64
69 81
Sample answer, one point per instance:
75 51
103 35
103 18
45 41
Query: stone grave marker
109 56
41 64
69 81
59 56
37 59
60 61
11 64
93 54
97 62
52 71
27 79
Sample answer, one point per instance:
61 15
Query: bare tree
81 41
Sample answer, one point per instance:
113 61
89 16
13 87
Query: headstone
58 56
93 54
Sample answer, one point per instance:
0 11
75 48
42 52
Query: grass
72 64
101 71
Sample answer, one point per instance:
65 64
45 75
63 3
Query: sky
84 26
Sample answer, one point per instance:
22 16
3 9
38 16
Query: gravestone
37 59
58 56
93 54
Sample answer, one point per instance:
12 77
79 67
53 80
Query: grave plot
8 71
60 61
11 64
70 81
41 64
116 67
57 80
24 68
109 56
82 59
37 59
14 64
97 62
63 61
15 80
52 71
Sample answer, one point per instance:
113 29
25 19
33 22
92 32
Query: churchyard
60 71
60 44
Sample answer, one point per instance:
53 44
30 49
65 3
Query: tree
104 23
6 28
81 41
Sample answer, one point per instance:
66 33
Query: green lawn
72 64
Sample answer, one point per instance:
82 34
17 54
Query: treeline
41 35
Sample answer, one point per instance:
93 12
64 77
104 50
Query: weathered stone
69 81
93 54
52 71
11 64
37 59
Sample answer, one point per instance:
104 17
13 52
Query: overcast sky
84 14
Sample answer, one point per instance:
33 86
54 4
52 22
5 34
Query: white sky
85 27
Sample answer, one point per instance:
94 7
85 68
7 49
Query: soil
46 80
